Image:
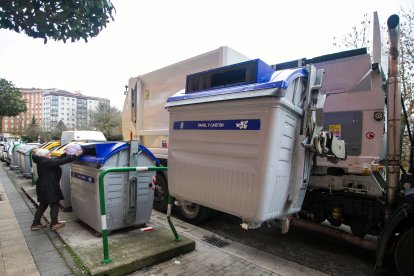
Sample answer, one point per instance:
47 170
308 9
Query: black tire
161 194
194 213
403 253
357 227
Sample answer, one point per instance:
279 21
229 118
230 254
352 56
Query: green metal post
170 202
102 174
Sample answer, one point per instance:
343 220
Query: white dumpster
25 161
14 157
233 140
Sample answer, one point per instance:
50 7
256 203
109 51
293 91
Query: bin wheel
403 253
161 194
194 213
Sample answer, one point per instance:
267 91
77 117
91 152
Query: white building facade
72 109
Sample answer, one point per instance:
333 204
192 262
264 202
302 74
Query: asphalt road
305 247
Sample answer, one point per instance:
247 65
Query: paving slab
129 249
15 256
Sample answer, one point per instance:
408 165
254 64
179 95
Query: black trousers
54 211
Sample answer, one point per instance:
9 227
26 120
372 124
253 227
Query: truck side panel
144 113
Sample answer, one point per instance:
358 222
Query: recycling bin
51 146
128 196
25 162
14 157
234 139
59 152
20 157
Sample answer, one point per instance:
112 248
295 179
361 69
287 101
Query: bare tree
357 38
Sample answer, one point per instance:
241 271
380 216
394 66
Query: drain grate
2 197
215 241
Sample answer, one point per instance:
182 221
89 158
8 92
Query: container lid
275 86
50 145
27 148
21 147
103 151
60 150
54 144
82 135
44 145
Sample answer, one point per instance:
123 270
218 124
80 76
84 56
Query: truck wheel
403 253
357 227
194 213
161 194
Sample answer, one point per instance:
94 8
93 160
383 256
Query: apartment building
50 106
15 125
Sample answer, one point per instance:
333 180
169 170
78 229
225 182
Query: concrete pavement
66 252
24 252
16 258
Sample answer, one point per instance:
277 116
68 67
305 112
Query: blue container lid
279 80
104 150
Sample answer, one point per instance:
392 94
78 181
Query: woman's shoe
58 225
36 227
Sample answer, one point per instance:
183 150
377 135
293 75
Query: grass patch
78 261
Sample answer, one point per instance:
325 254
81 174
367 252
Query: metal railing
102 174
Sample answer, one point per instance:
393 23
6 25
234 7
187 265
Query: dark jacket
49 172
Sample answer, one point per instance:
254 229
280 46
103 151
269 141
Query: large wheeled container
128 195
234 141
14 157
25 162
21 148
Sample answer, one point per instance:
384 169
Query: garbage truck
267 143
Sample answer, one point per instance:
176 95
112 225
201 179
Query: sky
150 34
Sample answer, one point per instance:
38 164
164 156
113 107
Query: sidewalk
26 252
16 258
213 255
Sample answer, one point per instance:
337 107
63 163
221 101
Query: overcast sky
150 34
